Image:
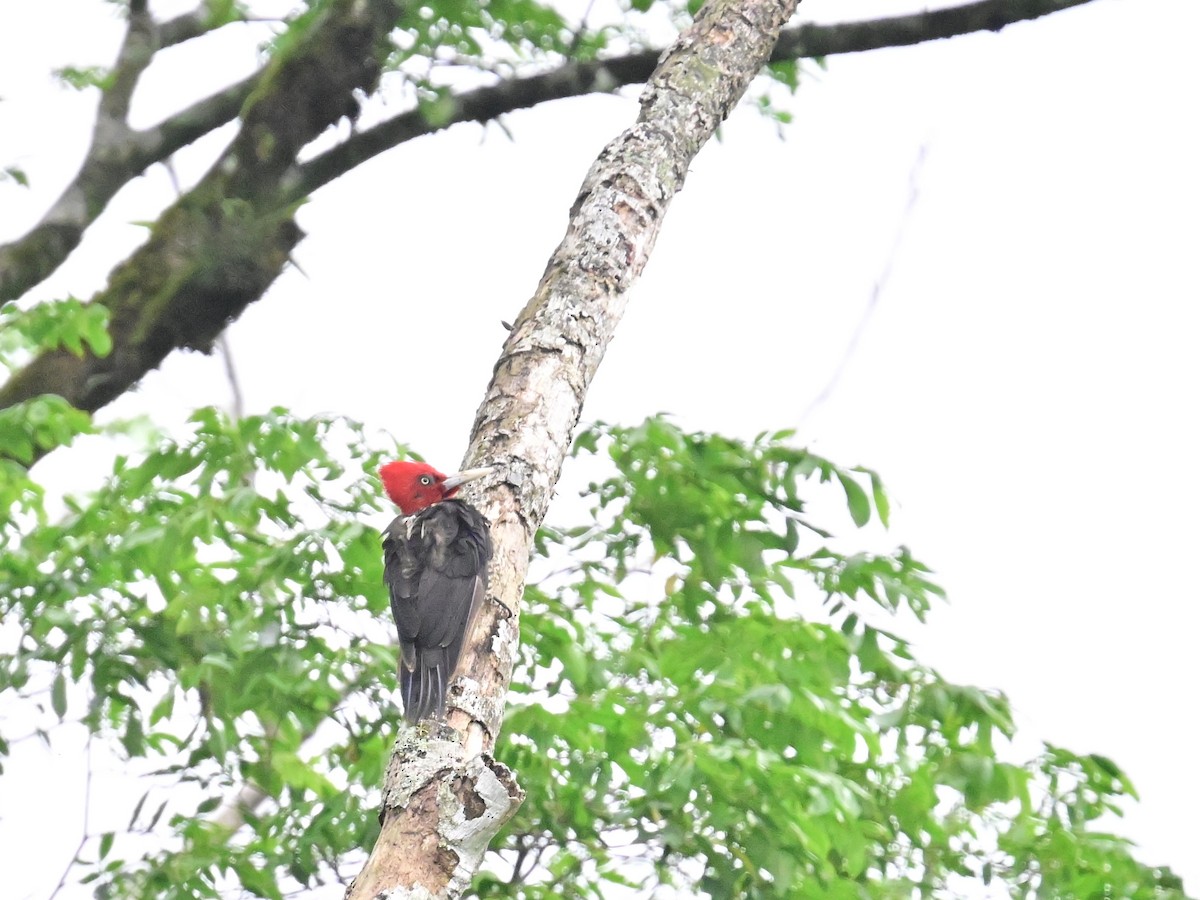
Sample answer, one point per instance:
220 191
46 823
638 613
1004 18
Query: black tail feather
423 688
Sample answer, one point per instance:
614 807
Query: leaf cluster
704 697
69 324
685 724
210 613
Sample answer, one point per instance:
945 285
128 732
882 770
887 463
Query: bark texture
523 428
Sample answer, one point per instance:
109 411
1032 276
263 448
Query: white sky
1023 386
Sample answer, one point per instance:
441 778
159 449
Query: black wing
435 567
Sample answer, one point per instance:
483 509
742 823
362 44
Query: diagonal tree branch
917 28
218 247
149 323
137 49
118 153
183 28
24 263
574 79
189 25
109 166
445 797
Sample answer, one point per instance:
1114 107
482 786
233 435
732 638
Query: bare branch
573 79
917 28
881 282
118 153
34 257
25 262
184 27
218 247
199 22
148 324
235 386
232 814
137 49
87 820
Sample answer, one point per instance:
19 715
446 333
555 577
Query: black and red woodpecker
435 557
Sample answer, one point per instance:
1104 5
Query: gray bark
444 799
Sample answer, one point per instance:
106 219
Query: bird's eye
426 479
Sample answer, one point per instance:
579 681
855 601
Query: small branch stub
434 778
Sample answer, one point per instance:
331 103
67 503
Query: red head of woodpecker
435 557
412 486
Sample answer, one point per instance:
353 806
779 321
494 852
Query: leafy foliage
695 728
29 429
81 78
69 324
707 696
701 700
209 600
15 174
439 44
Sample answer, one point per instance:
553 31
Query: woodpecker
435 557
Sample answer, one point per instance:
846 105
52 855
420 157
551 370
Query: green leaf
58 695
137 811
786 72
882 505
222 12
856 500
80 78
15 173
134 738
39 425
68 323
438 108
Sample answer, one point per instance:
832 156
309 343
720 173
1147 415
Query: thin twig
239 405
885 274
87 814
577 38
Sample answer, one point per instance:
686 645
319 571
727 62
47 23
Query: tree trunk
445 797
